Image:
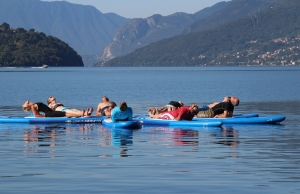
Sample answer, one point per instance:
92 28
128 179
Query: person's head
123 106
105 99
194 109
181 103
50 99
113 104
27 106
234 101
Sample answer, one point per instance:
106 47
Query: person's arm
178 118
98 112
213 104
113 115
50 106
225 114
36 113
130 114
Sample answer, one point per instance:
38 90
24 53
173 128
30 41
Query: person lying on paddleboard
169 107
56 106
221 109
121 113
226 99
38 107
105 107
182 113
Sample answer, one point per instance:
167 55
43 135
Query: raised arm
98 112
35 112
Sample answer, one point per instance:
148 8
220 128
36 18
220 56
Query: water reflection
42 136
122 138
191 136
116 137
185 137
227 136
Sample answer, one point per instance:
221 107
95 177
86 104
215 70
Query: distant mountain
269 37
21 48
139 32
236 9
84 28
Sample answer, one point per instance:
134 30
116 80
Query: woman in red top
182 113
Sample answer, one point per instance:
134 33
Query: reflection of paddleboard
162 122
122 124
31 120
246 120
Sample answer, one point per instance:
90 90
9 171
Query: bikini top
57 105
103 110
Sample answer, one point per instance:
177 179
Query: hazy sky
146 8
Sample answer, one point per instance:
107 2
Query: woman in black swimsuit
56 106
38 107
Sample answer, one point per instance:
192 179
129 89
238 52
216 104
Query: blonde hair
26 108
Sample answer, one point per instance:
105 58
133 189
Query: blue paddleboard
246 120
122 124
246 115
163 122
48 120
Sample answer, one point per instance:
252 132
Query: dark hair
105 98
192 109
123 106
175 103
237 102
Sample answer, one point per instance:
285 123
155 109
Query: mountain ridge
83 27
140 32
268 37
235 10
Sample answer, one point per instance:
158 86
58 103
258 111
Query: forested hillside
21 48
270 37
84 28
236 9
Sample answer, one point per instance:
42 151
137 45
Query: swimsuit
103 110
63 110
57 105
48 111
216 110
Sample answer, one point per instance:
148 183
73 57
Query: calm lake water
89 158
